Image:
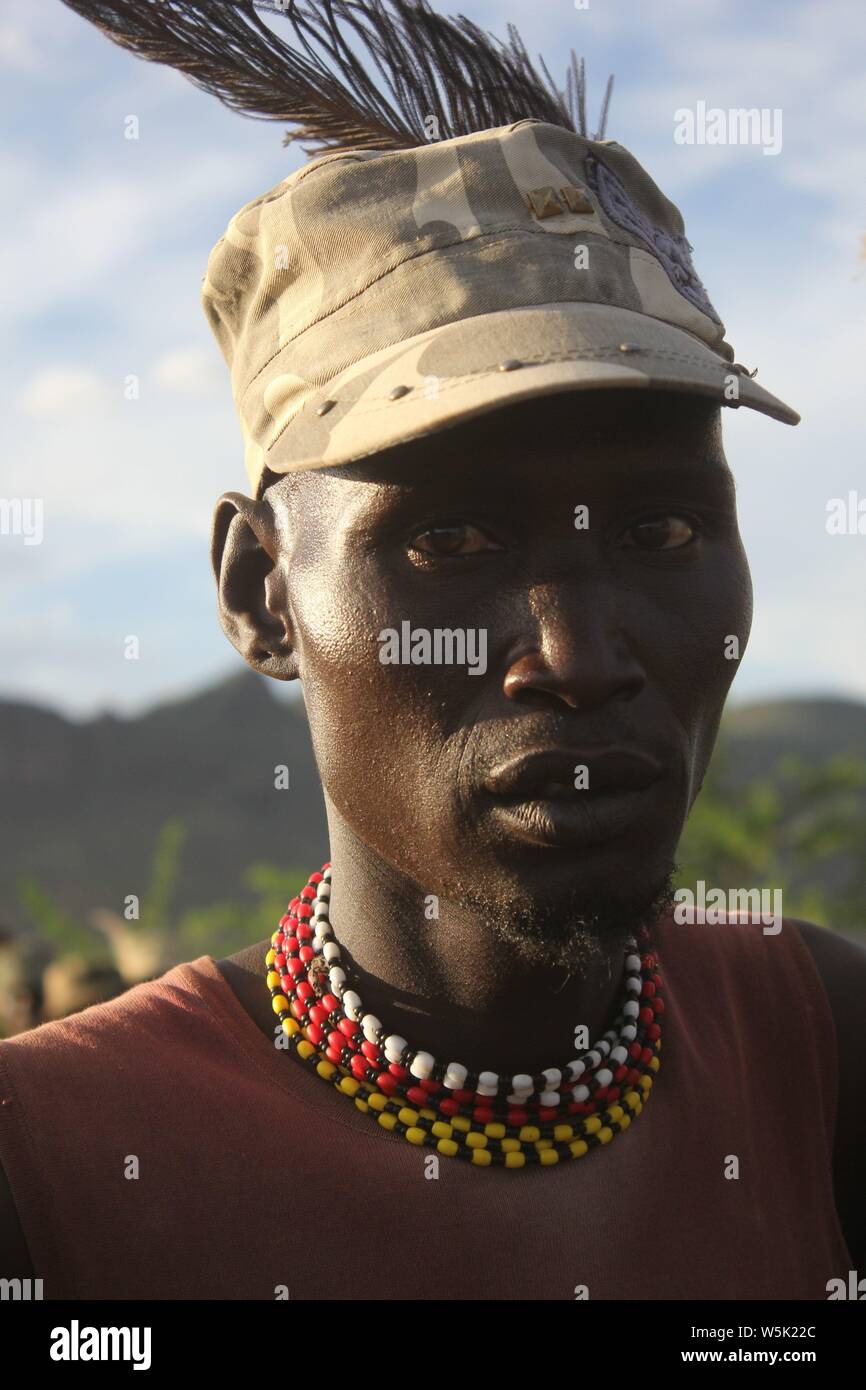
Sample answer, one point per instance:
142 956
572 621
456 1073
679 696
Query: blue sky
104 241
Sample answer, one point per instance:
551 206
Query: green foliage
802 829
62 935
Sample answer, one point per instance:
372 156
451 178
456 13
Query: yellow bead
441 1130
631 1099
615 1112
510 1146
542 1144
306 1050
548 1157
362 1105
326 1069
593 1124
447 1146
578 1147
270 957
474 1140
387 1120
529 1133
407 1115
460 1122
279 1003
349 1086
514 1159
605 1135
645 1082
638 1108
654 1064
563 1132
415 1135
625 1122
483 1157
290 1026
428 1114
495 1131
378 1102
273 979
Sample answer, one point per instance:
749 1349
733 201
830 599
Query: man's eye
662 532
460 539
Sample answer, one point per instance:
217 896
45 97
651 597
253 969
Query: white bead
370 1027
324 890
634 984
604 1076
394 1047
455 1075
351 1004
490 1079
619 1055
552 1076
611 1035
632 963
521 1082
593 1059
581 1093
317 944
632 1009
486 1090
422 1065
603 1047
629 1032
337 978
576 1068
549 1098
331 950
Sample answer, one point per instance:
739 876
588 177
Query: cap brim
462 369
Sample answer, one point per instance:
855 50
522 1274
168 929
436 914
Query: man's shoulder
141 1014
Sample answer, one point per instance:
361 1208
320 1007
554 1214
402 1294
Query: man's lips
549 774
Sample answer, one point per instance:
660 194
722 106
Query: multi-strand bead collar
561 1112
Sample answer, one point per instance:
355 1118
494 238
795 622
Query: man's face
611 634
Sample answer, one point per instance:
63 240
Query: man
492 531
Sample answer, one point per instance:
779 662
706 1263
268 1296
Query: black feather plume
428 65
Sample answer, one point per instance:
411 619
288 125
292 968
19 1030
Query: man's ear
251 597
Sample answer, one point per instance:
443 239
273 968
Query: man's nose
576 651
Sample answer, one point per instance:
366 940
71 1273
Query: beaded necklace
509 1121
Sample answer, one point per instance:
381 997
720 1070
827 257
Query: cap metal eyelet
628 347
397 391
325 407
510 364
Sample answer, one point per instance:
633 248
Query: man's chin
578 924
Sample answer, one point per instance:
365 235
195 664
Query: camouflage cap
375 296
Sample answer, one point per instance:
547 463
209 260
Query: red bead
431 1087
316 877
646 1015
386 1082
288 983
291 945
358 1065
332 1054
659 1005
613 1094
298 1010
336 1040
330 1002
518 1117
395 1069
306 953
305 990
296 967
318 1014
370 1050
285 921
646 1055
648 990
416 1095
654 1032
547 1112
305 912
634 1050
304 931
449 1107
349 1029
483 1115
464 1097
280 959
601 1095
315 1034
621 1073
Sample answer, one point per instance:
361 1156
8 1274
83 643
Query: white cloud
190 371
63 389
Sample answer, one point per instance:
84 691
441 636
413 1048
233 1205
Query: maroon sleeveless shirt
254 1177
